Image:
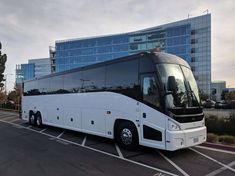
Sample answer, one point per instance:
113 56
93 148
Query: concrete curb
219 146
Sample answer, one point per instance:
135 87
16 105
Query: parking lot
28 150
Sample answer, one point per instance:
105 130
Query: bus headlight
173 126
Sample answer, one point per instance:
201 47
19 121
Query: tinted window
72 82
30 88
150 91
93 79
56 84
123 78
147 65
44 86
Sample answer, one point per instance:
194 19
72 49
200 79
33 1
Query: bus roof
157 57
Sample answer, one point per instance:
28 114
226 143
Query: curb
219 146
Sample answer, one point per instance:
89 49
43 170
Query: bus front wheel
127 136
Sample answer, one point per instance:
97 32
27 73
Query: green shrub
221 126
227 139
212 138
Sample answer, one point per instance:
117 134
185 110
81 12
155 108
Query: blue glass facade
81 52
24 72
77 53
34 68
189 39
178 41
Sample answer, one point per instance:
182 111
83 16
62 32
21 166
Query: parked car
225 104
208 104
221 105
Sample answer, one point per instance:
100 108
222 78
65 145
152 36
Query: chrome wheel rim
126 136
38 121
32 119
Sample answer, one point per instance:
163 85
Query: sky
29 27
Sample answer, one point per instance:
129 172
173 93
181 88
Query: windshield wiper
192 93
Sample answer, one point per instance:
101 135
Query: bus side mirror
171 84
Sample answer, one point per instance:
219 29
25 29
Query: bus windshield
186 94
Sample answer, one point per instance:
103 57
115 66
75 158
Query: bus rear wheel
127 136
32 119
38 120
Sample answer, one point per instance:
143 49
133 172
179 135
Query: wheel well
30 113
119 121
38 112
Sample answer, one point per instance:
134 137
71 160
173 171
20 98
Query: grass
221 139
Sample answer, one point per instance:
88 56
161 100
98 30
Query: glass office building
33 69
24 72
217 87
189 39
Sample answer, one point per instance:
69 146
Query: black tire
32 119
127 136
38 120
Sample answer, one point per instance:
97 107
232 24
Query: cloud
27 28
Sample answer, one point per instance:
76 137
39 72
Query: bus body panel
88 107
185 138
155 120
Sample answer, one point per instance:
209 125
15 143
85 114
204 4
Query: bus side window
150 91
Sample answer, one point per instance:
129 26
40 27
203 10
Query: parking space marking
43 130
22 123
173 164
220 169
14 120
217 150
84 141
7 118
93 149
60 134
29 127
212 159
119 151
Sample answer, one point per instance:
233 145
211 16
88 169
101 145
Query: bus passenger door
152 120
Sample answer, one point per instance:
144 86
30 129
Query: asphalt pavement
27 150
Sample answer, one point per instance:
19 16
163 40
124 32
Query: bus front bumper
185 138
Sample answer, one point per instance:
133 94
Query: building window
193 59
193 41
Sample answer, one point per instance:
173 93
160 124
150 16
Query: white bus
148 98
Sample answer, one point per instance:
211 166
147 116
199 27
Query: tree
224 92
3 96
230 96
15 96
3 59
203 96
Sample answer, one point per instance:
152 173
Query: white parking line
29 127
7 117
14 120
217 150
22 123
93 149
212 159
60 134
119 151
43 130
84 141
173 164
220 169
